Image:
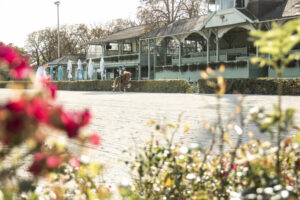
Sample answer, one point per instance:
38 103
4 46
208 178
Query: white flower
238 130
184 150
284 194
191 176
254 110
84 159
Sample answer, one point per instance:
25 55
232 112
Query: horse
125 82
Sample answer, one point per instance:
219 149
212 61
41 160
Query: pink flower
53 161
234 167
95 139
74 162
38 157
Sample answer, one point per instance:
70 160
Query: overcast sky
18 18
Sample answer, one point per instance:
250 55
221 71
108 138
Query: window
241 3
128 47
226 4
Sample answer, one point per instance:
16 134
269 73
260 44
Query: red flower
14 125
35 168
18 65
38 157
86 116
37 165
49 86
74 121
21 71
38 108
53 161
16 106
95 139
7 53
74 162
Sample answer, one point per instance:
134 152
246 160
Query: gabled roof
64 59
178 27
129 33
288 8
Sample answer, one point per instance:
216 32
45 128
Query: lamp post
58 48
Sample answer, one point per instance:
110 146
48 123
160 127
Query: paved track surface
121 119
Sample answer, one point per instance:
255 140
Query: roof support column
180 56
149 60
207 51
217 45
140 60
164 50
257 50
154 57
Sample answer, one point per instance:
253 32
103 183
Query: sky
18 18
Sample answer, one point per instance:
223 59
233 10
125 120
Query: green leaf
297 138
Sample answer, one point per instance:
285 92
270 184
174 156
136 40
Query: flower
74 121
95 139
37 165
21 71
49 86
234 167
53 161
74 162
7 53
38 157
16 106
38 108
18 65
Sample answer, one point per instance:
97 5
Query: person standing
41 73
121 71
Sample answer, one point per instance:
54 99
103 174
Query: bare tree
159 11
162 12
119 24
194 8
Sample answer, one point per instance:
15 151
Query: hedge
24 84
167 86
266 86
155 86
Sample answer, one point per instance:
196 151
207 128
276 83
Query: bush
91 85
15 84
168 86
266 86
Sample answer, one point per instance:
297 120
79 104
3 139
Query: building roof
247 13
129 33
287 8
182 26
64 59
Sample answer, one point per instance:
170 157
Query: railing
93 55
121 58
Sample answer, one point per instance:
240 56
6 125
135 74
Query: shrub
266 86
